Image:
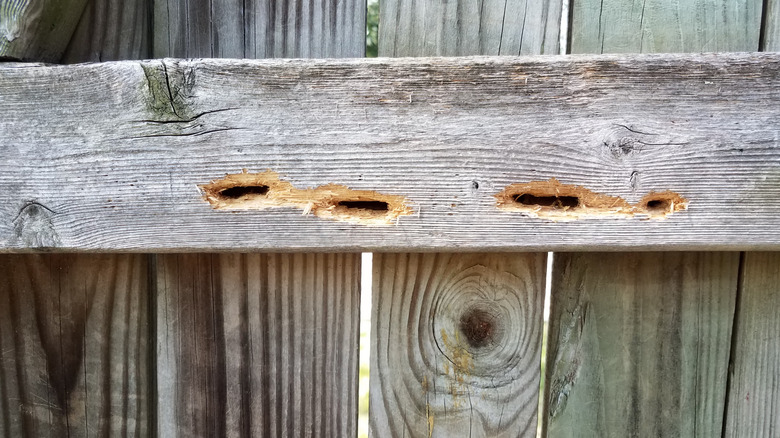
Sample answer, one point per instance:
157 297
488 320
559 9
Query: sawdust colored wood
257 344
74 340
639 343
455 344
627 26
457 28
260 29
754 391
111 30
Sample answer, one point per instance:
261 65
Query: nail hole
657 204
241 191
374 206
558 202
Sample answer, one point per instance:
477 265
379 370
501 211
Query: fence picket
455 344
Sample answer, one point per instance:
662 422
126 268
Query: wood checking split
565 202
257 191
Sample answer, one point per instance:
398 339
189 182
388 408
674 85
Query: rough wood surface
639 344
35 30
627 26
112 157
492 27
754 391
771 26
260 29
74 343
111 30
455 344
257 344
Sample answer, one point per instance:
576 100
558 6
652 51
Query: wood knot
479 327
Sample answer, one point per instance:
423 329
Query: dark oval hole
657 204
478 327
547 201
241 191
365 205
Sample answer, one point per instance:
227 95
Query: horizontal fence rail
564 153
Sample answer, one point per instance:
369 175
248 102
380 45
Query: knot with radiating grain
456 344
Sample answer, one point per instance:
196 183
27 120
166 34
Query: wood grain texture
111 30
37 30
257 344
455 344
754 391
457 28
627 26
771 26
700 125
639 343
74 340
260 28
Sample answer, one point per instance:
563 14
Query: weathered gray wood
626 26
37 30
771 26
754 390
111 30
257 344
260 28
639 343
456 28
114 164
455 344
74 346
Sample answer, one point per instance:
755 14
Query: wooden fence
180 238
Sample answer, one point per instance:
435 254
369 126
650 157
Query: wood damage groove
565 202
258 191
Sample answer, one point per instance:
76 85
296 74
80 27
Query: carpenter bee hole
374 207
556 202
657 205
239 192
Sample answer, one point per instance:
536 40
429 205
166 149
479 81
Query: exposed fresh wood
111 30
74 346
260 28
113 155
754 390
456 28
639 343
37 30
771 26
628 26
455 344
257 344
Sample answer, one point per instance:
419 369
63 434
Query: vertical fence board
111 30
626 26
771 26
456 339
73 345
510 27
455 344
639 343
259 29
38 30
258 344
630 375
754 390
